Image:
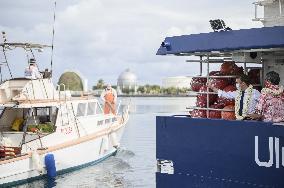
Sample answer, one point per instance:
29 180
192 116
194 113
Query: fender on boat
50 165
105 145
37 162
114 141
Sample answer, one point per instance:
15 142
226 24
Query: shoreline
152 95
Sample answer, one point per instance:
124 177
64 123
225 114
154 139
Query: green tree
128 91
125 90
141 89
147 88
72 81
100 84
155 89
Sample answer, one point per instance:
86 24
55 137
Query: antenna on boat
52 43
4 52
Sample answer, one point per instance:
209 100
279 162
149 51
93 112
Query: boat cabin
36 114
19 119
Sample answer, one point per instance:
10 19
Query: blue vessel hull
220 153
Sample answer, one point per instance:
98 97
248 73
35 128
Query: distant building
177 82
127 82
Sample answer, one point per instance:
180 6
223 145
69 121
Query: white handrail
118 107
58 87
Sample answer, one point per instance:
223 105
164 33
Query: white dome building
127 82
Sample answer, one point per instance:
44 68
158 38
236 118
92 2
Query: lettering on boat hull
274 153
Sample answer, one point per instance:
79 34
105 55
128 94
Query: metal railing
209 60
265 3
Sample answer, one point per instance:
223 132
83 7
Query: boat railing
122 110
262 3
58 87
125 112
118 106
212 58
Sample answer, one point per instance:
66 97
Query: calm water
135 163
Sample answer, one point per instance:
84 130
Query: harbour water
135 163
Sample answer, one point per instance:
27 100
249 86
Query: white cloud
101 38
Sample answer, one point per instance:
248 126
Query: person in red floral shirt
270 107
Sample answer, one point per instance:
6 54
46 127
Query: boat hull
220 153
69 158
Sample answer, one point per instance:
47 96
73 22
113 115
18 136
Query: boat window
20 119
91 108
53 114
99 109
101 122
42 111
114 119
8 116
45 114
81 109
107 121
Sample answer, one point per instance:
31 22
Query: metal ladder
64 114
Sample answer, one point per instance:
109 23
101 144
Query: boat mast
52 43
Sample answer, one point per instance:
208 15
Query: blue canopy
225 41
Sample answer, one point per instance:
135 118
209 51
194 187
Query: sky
101 38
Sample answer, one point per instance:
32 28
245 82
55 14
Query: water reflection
50 182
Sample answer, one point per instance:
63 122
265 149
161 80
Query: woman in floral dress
270 107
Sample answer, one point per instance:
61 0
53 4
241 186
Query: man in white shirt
32 72
245 97
109 96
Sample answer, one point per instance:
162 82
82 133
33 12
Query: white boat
72 130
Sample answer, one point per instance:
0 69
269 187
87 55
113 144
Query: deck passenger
109 96
270 107
245 97
46 74
32 72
